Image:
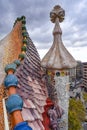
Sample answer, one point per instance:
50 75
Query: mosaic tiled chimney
57 63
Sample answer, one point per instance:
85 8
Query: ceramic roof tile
25 113
31 124
27 89
34 114
35 125
39 108
37 90
40 124
38 114
29 78
35 85
41 97
29 104
40 103
25 105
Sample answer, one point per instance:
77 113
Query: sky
40 28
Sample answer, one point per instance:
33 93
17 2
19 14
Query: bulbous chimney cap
58 56
57 12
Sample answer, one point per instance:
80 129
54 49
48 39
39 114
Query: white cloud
80 6
79 53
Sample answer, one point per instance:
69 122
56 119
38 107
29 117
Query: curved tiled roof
31 87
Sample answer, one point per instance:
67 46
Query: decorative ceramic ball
23 17
13 103
18 19
24 34
10 80
22 56
23 48
22 126
17 62
23 27
11 66
25 42
23 21
57 74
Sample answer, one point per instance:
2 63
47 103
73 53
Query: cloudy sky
40 28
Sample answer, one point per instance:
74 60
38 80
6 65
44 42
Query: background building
85 75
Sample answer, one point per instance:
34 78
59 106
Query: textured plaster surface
62 86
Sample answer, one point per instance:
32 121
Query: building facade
85 75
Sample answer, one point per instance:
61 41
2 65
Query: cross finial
57 12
